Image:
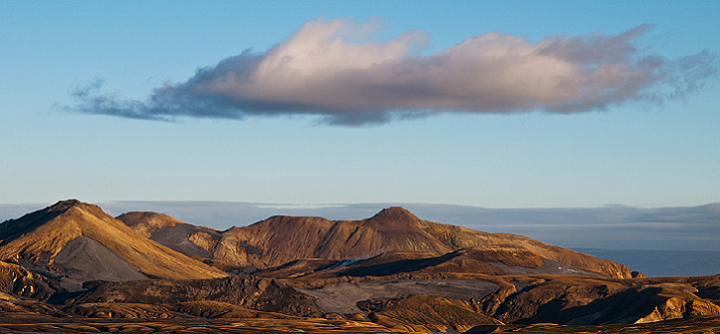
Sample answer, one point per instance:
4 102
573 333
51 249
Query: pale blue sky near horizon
636 154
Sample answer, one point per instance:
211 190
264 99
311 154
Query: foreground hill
431 303
586 300
77 242
281 239
37 324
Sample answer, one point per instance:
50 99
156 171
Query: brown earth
345 297
179 236
389 273
526 299
218 310
44 324
460 237
146 223
200 308
427 314
17 281
586 300
395 263
522 299
39 238
34 323
251 292
473 260
281 239
122 310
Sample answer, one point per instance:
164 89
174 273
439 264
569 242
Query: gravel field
342 298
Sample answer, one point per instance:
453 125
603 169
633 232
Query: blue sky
629 151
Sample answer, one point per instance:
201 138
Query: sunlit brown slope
180 236
39 238
460 237
146 223
585 300
427 314
281 239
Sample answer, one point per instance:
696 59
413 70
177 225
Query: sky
493 104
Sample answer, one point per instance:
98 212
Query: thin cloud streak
322 70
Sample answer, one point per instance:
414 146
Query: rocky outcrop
246 291
18 281
427 314
593 301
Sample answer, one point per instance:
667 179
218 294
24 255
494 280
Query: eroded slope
280 239
73 236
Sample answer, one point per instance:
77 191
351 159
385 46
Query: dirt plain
37 324
343 298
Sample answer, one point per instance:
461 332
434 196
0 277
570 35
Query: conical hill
71 236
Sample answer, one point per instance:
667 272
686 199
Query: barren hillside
281 239
80 242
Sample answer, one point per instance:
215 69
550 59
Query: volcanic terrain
279 240
73 268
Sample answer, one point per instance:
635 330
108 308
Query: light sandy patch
342 298
549 268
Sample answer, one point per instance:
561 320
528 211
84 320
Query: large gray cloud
319 71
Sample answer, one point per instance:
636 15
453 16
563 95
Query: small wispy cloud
331 69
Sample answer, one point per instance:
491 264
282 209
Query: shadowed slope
461 261
468 262
38 238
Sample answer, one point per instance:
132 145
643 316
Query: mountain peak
394 218
14 228
396 213
68 204
54 233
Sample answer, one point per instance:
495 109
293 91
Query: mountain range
392 270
